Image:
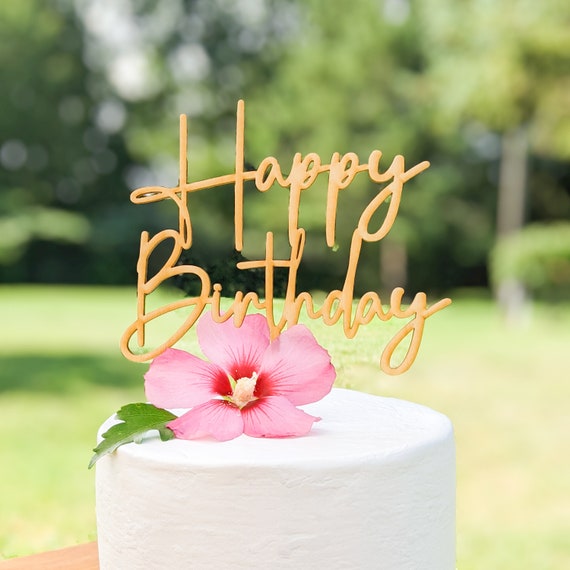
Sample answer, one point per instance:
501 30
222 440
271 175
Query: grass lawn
506 390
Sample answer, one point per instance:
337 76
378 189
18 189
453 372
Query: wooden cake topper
338 303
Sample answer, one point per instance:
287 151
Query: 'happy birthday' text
338 304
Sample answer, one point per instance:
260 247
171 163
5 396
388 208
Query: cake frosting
372 486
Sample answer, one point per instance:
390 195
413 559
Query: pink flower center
243 390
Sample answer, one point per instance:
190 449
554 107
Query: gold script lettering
338 304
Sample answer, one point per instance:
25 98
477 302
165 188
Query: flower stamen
243 390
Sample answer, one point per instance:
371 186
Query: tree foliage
91 102
63 196
504 64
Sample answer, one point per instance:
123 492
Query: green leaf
137 419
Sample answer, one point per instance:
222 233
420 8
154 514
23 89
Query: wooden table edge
80 557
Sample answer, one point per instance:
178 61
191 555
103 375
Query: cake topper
338 304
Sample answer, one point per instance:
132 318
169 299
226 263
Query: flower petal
178 379
296 366
237 350
217 418
275 416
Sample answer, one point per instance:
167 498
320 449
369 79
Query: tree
61 155
85 104
506 67
191 57
355 80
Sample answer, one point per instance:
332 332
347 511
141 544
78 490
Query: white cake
371 487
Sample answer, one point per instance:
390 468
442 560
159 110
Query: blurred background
90 97
92 91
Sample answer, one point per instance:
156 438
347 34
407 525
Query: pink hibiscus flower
251 385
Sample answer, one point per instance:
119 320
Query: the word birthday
339 304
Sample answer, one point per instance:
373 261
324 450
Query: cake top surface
353 426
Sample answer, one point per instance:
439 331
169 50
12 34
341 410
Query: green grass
505 389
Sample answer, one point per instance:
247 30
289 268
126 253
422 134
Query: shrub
538 257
